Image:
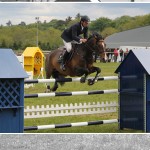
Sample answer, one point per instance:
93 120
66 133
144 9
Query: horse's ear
97 36
94 34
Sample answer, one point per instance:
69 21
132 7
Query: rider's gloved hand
83 40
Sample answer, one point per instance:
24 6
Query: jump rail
70 125
68 79
70 93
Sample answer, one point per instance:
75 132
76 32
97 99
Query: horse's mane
96 35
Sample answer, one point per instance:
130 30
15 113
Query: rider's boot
62 66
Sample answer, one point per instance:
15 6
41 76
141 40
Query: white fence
70 110
30 76
21 60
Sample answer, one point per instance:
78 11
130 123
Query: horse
80 64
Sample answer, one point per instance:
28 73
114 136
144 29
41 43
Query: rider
72 34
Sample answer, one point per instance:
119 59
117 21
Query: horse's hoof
90 82
53 90
82 80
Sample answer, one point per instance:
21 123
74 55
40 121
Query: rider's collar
82 27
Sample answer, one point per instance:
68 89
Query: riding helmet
85 18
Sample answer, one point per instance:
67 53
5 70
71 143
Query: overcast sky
17 12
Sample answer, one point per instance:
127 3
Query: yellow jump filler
33 59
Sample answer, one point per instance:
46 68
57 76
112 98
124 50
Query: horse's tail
46 62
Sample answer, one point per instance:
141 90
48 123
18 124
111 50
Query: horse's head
97 44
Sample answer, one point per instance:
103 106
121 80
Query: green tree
108 31
15 46
100 24
119 22
78 16
68 19
3 45
9 23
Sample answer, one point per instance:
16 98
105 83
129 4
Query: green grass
107 70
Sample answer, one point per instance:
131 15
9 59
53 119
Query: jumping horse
80 63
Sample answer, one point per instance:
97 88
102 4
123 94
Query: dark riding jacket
73 33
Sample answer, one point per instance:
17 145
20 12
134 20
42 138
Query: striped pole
68 79
70 125
70 93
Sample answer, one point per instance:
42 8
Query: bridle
91 48
95 47
103 44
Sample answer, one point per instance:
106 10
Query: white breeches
68 46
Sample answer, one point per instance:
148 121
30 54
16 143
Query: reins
93 48
90 48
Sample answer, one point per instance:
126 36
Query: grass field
107 70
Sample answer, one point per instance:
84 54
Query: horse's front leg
79 71
55 87
92 70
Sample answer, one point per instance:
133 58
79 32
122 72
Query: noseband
103 46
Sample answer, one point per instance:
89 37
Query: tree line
18 37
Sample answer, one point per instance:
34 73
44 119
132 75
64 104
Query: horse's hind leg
48 89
